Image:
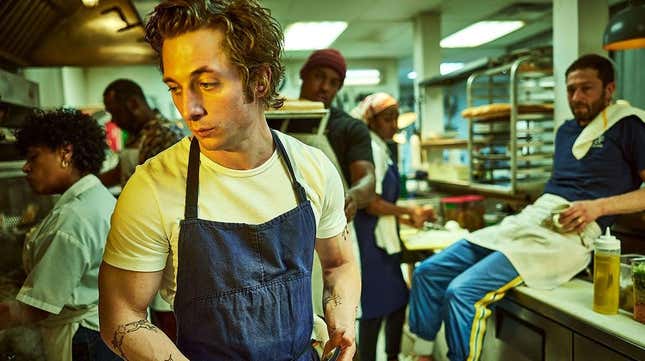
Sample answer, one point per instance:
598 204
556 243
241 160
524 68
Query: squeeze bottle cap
607 242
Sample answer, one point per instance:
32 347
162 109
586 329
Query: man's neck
250 150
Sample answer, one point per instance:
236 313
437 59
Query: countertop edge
539 302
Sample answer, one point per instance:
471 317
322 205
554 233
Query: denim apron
243 290
383 289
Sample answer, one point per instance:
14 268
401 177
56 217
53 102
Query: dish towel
387 237
603 121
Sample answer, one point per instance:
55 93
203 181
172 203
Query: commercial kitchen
498 120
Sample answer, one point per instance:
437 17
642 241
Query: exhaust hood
66 33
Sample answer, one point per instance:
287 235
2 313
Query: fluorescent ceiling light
480 33
90 3
312 35
362 77
446 68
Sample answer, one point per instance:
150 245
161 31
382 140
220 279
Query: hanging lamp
626 29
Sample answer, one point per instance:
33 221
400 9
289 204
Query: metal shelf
525 144
445 143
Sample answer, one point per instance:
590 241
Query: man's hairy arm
341 293
582 213
123 300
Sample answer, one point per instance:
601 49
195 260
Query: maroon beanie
330 58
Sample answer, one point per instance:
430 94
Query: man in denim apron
225 222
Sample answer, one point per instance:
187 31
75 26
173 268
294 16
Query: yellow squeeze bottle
606 274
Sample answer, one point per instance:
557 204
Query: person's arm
413 216
341 292
581 213
14 314
361 167
123 300
361 191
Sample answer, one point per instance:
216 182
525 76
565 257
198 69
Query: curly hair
58 128
253 37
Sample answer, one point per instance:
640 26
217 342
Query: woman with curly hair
64 151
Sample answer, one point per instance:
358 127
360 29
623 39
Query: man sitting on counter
598 168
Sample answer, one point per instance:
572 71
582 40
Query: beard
586 112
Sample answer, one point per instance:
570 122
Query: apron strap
192 181
192 177
297 188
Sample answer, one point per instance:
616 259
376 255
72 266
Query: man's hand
580 214
343 338
351 206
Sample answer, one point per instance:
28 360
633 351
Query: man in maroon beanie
322 77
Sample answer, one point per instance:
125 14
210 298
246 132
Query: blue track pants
456 286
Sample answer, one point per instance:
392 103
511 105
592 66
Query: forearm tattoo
169 358
337 300
123 330
346 234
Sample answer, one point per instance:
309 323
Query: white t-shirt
145 224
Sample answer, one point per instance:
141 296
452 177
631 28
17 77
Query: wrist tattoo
337 300
123 330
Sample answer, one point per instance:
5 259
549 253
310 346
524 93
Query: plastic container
467 210
606 274
638 276
626 281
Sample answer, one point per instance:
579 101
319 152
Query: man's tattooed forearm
337 300
121 331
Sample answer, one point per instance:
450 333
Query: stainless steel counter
568 308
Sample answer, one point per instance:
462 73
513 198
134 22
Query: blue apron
243 290
383 289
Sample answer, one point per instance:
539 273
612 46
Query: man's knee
429 266
424 272
456 292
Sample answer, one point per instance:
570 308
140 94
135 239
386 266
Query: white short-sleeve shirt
63 254
145 225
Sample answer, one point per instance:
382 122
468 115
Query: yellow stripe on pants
482 313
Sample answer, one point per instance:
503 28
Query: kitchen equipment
305 121
606 274
553 221
510 137
638 277
626 301
467 210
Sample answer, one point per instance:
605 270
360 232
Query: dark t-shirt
610 167
350 140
